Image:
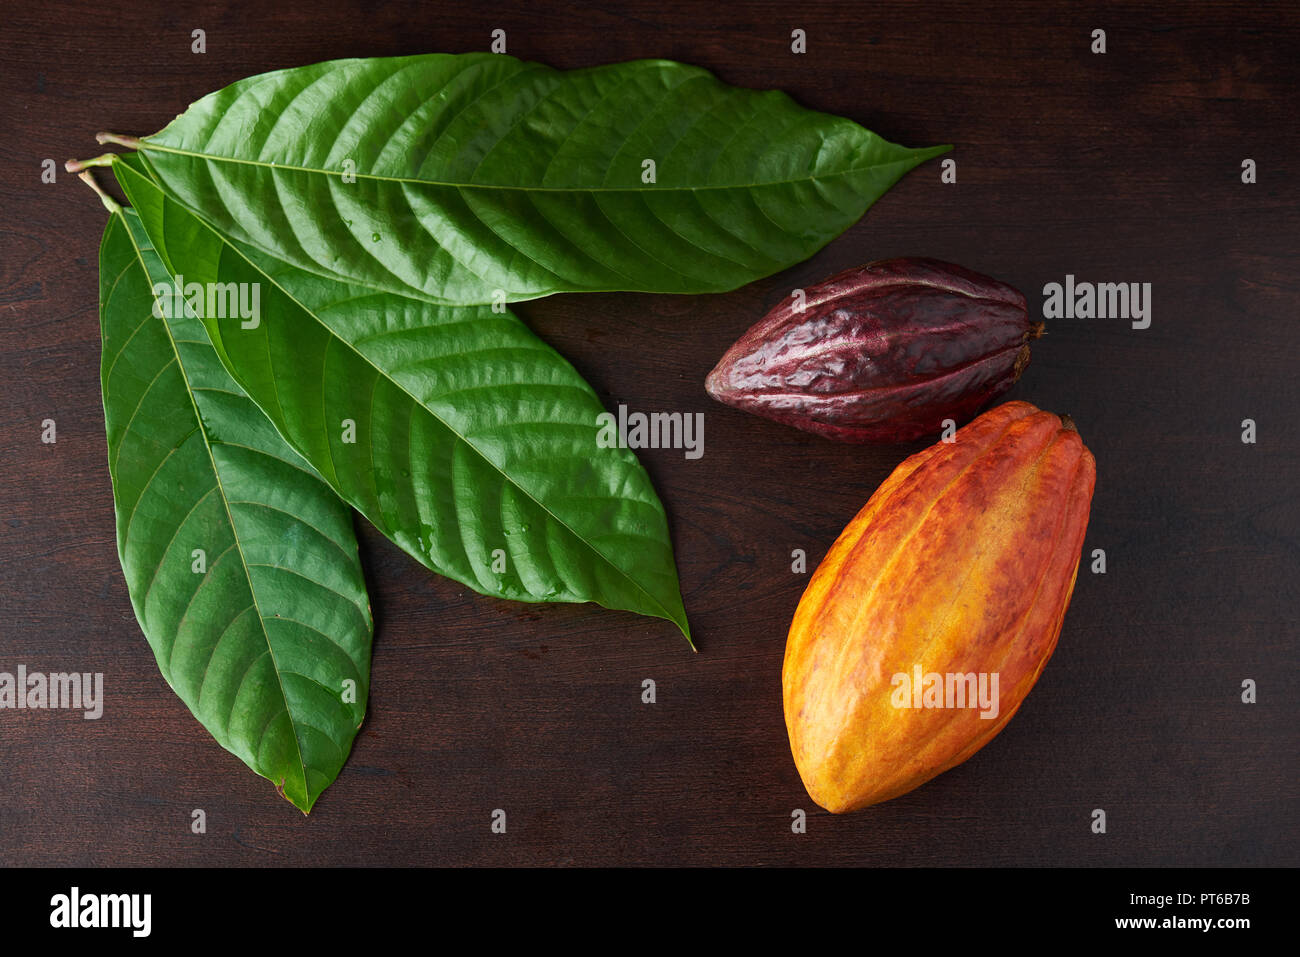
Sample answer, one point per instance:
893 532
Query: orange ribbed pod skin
962 562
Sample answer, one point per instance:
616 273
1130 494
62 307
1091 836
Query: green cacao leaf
458 433
451 177
241 563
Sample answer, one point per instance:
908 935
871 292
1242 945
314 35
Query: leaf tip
305 808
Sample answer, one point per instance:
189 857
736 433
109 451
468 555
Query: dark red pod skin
881 353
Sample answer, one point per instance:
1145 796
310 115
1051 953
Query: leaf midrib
234 529
149 145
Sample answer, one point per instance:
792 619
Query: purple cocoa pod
881 353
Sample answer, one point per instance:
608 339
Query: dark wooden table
1117 167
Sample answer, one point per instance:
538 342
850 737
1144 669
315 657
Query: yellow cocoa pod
936 609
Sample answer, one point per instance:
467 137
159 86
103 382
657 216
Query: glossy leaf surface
458 433
450 176
241 563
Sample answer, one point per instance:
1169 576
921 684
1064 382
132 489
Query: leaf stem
76 166
109 202
130 142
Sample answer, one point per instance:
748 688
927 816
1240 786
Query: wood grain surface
1117 167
